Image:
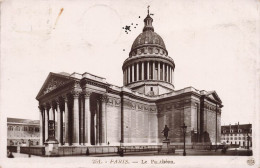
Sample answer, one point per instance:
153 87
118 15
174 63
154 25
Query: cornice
144 58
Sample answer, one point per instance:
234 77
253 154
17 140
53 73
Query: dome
149 69
148 38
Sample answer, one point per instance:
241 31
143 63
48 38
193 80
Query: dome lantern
148 22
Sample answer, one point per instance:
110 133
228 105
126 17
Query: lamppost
121 150
248 138
29 141
184 127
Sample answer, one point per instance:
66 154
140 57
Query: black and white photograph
143 83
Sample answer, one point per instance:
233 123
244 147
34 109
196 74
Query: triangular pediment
214 96
53 82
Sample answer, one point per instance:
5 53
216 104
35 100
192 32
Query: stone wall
210 122
113 110
174 113
139 121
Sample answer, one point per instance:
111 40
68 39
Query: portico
78 111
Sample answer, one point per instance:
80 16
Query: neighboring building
237 134
96 112
19 131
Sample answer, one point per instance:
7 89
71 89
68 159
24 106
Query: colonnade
73 112
148 70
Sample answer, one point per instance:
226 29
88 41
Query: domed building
85 110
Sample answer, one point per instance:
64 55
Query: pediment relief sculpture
52 85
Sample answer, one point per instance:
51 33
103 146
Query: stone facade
237 134
95 112
20 131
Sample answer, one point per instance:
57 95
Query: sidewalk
178 152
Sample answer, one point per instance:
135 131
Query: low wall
12 148
198 146
82 150
33 150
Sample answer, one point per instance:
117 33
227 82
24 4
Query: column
58 123
87 131
159 71
129 75
104 120
75 118
82 124
172 76
137 71
46 122
153 70
163 75
54 119
41 126
142 71
66 111
133 73
125 76
148 71
167 73
97 121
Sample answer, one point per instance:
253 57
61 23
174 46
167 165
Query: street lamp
121 151
184 127
29 148
248 138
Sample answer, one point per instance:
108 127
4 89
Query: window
17 128
151 88
235 138
231 131
239 130
239 138
10 128
25 128
231 138
235 134
36 129
30 128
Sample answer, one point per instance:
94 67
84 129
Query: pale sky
214 45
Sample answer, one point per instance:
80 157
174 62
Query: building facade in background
20 131
95 112
237 134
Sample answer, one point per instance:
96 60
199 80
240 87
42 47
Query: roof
22 121
245 128
148 38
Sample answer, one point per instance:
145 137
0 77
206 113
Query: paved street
178 152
